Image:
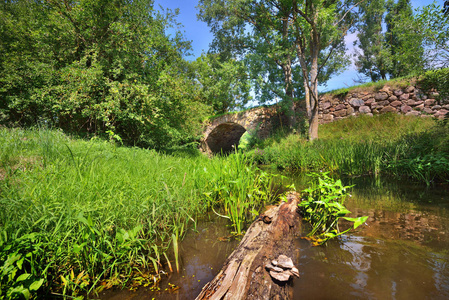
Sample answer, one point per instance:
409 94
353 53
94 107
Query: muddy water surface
402 252
203 252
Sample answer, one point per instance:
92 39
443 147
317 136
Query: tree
446 7
258 31
98 67
320 27
283 36
398 51
373 59
224 83
433 25
405 44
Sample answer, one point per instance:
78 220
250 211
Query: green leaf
36 285
23 277
77 248
82 219
254 212
357 221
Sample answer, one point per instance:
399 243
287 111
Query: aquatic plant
323 206
239 188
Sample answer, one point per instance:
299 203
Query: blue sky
194 30
198 32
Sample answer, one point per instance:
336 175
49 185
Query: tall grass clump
426 157
390 143
235 186
77 216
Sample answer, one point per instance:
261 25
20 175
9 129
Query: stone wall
408 101
223 133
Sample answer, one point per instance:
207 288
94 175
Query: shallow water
202 255
402 252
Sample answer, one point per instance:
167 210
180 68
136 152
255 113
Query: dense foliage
97 67
288 46
372 54
224 82
436 80
394 52
411 43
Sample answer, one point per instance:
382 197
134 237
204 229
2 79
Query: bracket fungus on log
282 269
245 274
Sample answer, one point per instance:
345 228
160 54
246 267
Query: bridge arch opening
225 137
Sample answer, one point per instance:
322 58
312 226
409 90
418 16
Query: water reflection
402 253
202 256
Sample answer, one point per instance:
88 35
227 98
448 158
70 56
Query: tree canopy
224 82
394 52
412 42
289 46
98 67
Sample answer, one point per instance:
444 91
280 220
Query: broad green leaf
23 277
357 221
36 285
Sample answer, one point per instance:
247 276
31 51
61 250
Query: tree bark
315 50
244 275
313 98
287 68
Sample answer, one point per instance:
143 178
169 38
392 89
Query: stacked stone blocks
410 101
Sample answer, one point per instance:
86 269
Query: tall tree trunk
315 50
313 96
305 76
287 68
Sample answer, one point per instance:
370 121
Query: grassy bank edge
78 216
408 147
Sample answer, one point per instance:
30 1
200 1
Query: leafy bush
112 74
437 80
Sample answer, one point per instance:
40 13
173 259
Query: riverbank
78 216
402 146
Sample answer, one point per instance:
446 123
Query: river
401 253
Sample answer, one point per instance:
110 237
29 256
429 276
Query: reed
239 189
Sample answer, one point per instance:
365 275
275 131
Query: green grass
77 216
400 82
390 143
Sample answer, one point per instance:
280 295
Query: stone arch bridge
223 133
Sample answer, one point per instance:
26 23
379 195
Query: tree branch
344 16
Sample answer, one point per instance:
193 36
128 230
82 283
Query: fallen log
266 248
